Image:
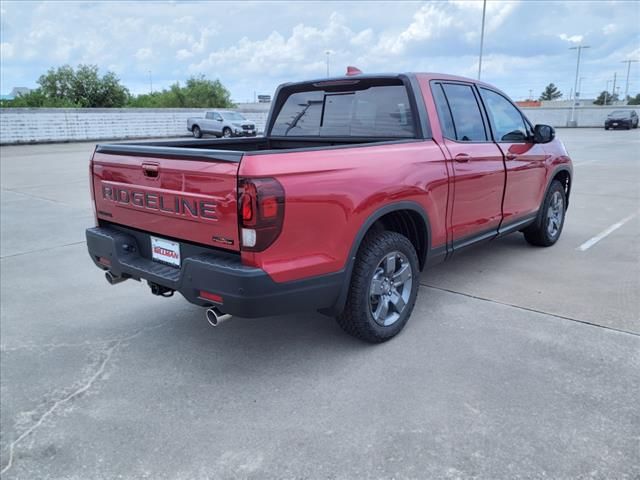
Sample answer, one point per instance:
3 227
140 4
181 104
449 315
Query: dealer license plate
165 251
615 124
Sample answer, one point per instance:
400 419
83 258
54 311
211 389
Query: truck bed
232 150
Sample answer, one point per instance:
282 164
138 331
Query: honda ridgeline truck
359 184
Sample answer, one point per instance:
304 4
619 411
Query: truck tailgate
191 199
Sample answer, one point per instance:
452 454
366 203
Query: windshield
619 113
233 116
376 111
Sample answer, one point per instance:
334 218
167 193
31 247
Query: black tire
226 132
606 128
196 131
357 318
541 233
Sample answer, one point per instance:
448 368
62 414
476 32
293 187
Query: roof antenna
351 71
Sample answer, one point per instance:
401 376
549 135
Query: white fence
30 125
584 116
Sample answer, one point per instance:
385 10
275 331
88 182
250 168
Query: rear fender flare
364 228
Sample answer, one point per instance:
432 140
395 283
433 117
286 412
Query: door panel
478 186
478 165
524 160
526 179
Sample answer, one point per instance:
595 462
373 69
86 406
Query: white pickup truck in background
221 123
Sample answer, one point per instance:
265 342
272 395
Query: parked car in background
621 119
221 123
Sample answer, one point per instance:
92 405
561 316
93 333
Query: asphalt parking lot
518 362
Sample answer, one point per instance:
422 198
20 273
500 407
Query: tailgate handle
150 170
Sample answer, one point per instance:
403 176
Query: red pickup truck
359 183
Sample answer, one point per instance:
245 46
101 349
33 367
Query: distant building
17 91
529 103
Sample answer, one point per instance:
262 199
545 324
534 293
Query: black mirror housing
544 133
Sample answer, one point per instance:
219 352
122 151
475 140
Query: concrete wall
585 116
26 125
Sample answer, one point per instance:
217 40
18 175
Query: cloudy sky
254 46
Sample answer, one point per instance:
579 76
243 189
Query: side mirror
543 133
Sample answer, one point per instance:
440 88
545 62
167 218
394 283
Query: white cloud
144 54
183 54
254 46
6 51
571 38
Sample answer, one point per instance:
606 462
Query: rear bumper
246 291
618 124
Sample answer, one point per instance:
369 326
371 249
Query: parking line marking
592 241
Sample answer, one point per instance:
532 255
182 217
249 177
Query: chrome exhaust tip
113 279
215 317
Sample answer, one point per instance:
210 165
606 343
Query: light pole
575 85
484 10
613 90
626 88
579 87
606 92
328 53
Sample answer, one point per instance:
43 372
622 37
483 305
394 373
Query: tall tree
83 87
606 98
550 92
199 92
633 100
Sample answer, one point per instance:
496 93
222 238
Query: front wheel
384 287
548 226
226 132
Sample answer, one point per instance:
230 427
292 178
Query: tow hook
114 279
160 290
215 317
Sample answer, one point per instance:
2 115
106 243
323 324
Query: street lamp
328 52
606 92
579 87
575 85
484 10
626 89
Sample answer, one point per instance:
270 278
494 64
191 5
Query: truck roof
370 76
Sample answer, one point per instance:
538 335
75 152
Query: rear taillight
261 212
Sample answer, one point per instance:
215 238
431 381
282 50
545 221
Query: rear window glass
378 111
620 113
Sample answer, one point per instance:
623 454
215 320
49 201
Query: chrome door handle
462 158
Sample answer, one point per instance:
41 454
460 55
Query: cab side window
217 116
444 114
465 112
209 116
506 120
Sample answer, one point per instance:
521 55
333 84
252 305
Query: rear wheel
548 226
384 287
196 131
